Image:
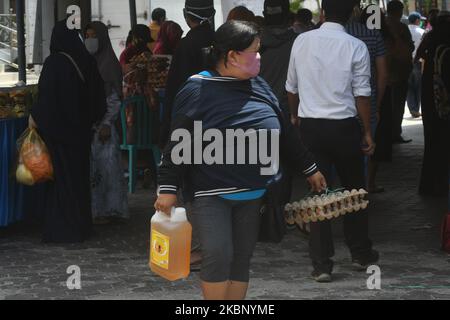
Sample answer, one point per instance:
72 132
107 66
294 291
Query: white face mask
91 45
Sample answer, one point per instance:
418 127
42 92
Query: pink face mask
253 65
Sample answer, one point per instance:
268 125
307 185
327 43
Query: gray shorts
228 232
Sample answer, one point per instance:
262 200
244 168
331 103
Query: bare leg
196 257
215 291
237 290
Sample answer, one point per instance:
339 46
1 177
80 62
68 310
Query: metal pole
133 13
21 58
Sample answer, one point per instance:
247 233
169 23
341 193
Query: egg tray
327 206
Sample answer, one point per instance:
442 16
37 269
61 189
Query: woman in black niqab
71 100
434 177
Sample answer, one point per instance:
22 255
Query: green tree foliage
296 5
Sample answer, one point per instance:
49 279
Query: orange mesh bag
35 165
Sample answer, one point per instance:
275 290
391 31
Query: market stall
14 107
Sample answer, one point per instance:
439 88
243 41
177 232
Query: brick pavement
404 228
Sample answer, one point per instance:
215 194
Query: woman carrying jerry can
227 195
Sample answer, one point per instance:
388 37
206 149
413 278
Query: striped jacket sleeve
170 174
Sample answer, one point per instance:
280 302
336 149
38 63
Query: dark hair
412 19
232 36
158 15
395 6
304 16
241 13
338 10
141 35
129 38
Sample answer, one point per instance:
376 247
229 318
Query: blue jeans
415 88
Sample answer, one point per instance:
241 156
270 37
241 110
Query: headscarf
141 37
168 38
69 121
108 64
71 43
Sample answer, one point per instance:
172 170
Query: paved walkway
404 228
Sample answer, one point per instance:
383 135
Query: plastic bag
35 165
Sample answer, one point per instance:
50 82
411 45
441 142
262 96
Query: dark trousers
228 231
337 143
399 92
415 88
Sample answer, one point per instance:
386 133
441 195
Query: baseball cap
414 16
202 9
276 7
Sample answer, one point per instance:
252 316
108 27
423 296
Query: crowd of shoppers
330 96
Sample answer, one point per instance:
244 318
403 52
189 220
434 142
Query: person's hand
165 203
368 145
31 123
295 121
104 134
317 182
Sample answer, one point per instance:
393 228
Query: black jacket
227 103
187 61
276 47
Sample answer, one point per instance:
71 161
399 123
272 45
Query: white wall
174 9
117 11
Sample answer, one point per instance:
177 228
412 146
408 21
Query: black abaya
65 112
434 177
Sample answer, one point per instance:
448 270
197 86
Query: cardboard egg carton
326 206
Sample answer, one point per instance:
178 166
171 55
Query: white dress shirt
328 69
417 35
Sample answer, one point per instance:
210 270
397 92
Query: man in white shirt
328 86
415 79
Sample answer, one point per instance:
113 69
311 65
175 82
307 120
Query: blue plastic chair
143 135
